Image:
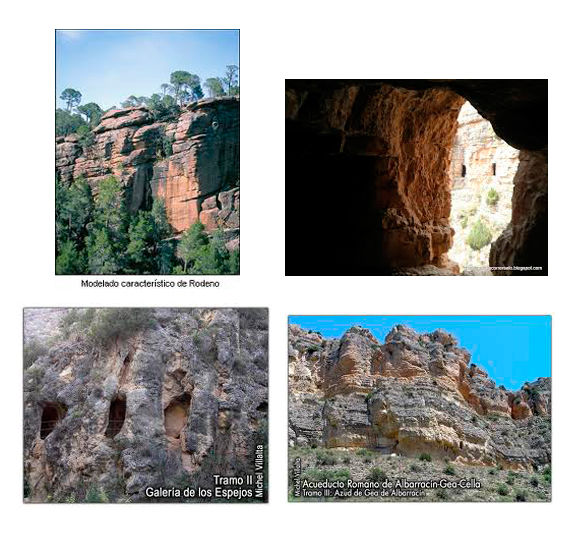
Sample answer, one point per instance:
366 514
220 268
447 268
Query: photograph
416 177
145 405
147 152
420 408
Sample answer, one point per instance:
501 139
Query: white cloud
70 35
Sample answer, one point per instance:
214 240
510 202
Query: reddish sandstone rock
191 162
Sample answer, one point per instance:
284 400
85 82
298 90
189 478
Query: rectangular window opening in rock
52 413
117 414
176 416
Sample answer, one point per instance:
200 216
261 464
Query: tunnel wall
366 178
366 172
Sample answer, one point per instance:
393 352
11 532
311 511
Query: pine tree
102 255
191 244
109 211
141 243
69 259
77 208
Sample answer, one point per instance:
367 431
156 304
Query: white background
308 39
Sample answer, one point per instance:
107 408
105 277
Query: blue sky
512 349
107 66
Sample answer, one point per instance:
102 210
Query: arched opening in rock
367 174
52 413
117 414
176 416
481 175
262 407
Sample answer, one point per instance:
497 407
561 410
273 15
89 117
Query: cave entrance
117 414
176 416
52 413
481 175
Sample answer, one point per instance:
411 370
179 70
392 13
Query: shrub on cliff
86 137
503 490
479 236
325 458
118 323
377 474
492 197
33 350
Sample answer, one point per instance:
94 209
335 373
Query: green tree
163 107
185 86
141 243
86 137
179 79
165 257
101 252
92 113
213 258
67 123
134 101
161 226
196 88
233 262
215 86
109 211
71 97
74 207
231 79
191 244
69 260
61 220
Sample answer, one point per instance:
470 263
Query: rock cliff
192 161
119 400
416 393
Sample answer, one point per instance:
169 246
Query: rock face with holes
168 404
191 162
481 172
416 393
367 169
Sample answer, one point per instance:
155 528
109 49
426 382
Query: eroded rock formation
367 165
191 162
171 404
416 393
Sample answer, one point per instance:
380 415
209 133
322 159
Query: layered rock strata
415 393
192 161
171 404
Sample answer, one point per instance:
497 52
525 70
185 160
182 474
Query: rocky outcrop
524 243
367 165
167 404
416 393
192 161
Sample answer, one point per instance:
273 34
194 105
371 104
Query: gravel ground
496 484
